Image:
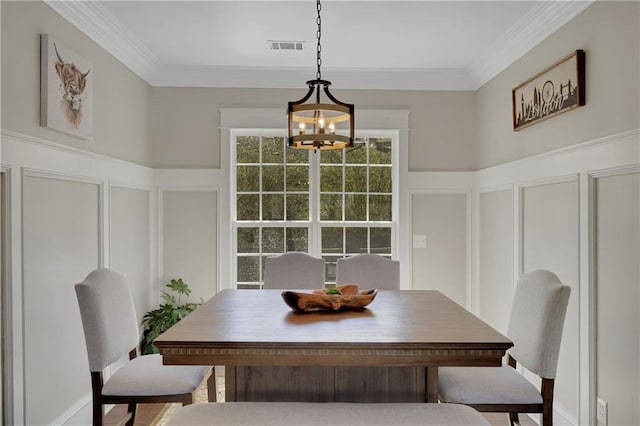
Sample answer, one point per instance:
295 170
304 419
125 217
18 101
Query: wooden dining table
389 351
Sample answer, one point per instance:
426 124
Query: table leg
230 383
432 383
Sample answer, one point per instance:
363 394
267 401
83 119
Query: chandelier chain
318 34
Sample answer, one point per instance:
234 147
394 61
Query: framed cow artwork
66 89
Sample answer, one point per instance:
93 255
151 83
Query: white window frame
378 123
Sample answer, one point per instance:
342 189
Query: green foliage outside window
273 186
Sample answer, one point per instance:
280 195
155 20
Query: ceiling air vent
286 45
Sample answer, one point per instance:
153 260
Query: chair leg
131 409
212 386
547 402
96 393
98 413
514 419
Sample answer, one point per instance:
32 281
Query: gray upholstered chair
369 271
293 270
111 332
537 318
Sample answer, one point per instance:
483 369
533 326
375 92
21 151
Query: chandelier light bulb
321 122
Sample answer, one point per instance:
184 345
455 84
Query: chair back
108 317
293 271
537 318
370 271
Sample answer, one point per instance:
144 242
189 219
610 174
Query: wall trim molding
44 143
572 177
621 149
588 144
45 174
7 310
103 204
543 20
615 171
39 154
415 179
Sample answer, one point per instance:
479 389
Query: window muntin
272 194
356 195
276 186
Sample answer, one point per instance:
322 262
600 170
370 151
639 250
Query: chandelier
314 125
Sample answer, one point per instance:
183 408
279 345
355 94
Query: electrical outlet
419 241
601 413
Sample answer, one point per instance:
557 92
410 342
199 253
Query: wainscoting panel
130 242
61 245
554 228
550 240
495 257
483 229
188 238
617 255
442 265
61 225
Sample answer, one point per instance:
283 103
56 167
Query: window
276 188
356 201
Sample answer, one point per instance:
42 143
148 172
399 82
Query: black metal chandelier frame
315 123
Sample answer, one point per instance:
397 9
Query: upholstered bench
325 414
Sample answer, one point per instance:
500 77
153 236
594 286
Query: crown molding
295 78
543 20
102 27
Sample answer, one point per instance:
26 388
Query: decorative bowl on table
339 298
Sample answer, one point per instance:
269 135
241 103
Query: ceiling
399 45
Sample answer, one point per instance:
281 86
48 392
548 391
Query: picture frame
66 89
555 90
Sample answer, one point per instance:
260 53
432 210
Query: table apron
332 357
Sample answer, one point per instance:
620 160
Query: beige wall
617 255
185 123
121 99
609 34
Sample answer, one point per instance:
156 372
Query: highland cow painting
66 89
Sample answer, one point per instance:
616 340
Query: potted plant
155 322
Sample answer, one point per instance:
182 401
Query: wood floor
146 413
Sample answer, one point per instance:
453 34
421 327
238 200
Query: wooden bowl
319 300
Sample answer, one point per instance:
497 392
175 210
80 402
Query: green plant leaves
166 315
